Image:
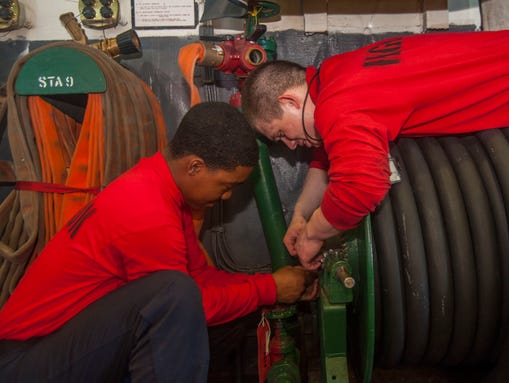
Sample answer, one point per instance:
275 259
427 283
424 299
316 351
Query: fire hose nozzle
73 28
213 54
126 43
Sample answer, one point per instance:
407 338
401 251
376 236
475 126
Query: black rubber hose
497 149
414 268
460 250
489 177
392 337
378 306
505 132
482 231
437 251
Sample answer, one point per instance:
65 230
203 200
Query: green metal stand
332 326
347 302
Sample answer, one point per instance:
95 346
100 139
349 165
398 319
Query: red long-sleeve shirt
137 225
415 85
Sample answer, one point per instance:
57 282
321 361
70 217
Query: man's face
209 186
288 129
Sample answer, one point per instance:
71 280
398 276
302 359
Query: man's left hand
308 251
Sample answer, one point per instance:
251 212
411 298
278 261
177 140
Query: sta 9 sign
55 82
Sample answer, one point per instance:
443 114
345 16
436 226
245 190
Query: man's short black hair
219 134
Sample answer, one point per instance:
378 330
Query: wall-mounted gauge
10 15
98 14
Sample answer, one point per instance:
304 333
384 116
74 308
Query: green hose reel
347 298
347 308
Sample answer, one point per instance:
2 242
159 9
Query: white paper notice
163 13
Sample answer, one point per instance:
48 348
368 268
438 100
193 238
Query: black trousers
150 330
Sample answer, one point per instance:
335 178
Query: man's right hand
296 227
294 283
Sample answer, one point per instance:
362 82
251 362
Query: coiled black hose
437 252
441 239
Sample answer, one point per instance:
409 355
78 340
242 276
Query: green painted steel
337 304
284 371
285 352
269 208
60 70
274 227
362 315
332 319
343 308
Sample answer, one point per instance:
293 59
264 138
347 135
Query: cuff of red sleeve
335 217
267 291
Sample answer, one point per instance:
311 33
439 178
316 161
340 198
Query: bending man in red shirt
124 288
357 102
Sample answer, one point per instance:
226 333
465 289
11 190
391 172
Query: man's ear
290 99
195 166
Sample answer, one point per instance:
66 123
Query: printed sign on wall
161 14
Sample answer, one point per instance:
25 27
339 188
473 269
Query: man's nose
291 144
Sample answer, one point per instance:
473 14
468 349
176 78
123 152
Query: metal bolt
345 277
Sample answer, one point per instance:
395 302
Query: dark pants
150 330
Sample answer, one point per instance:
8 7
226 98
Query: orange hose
55 151
53 163
188 56
84 170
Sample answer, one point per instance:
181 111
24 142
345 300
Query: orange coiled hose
71 154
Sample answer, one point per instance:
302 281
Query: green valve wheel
268 9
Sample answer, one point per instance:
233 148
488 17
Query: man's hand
308 251
294 283
310 240
296 227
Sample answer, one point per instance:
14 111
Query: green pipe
286 369
266 194
269 208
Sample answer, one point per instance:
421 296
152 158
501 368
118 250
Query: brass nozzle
124 44
72 26
213 55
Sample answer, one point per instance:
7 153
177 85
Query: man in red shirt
124 288
357 102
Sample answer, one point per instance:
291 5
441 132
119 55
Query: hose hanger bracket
49 72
